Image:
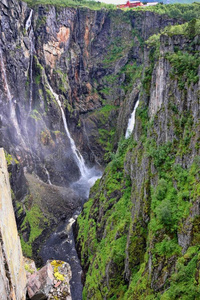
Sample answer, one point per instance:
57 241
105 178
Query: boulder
51 282
40 283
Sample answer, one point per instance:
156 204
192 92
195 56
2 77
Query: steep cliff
70 79
12 272
138 234
63 67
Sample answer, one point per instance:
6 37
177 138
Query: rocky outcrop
50 282
12 272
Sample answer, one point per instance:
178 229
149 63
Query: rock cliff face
78 58
12 272
138 233
76 73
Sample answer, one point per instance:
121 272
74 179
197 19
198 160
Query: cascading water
77 154
31 36
48 176
61 244
88 176
10 100
131 121
28 22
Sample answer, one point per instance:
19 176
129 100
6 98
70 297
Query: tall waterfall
31 36
79 159
131 121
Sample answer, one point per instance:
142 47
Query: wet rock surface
61 246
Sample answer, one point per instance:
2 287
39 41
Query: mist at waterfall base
61 244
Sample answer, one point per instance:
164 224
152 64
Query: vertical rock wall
12 273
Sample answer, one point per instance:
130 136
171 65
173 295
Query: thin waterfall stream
131 121
13 116
31 36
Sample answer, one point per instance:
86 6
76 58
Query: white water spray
12 105
28 22
131 121
31 36
77 154
88 176
48 176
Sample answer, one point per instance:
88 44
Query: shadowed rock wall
12 272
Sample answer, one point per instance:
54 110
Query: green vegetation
170 203
71 3
186 12
116 50
106 129
185 67
28 268
115 194
35 115
10 159
190 29
132 72
185 63
35 222
140 220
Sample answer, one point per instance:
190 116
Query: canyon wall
87 60
138 235
12 272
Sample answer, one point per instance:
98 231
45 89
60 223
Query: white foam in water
131 121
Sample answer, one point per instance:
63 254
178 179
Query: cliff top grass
186 12
188 29
72 3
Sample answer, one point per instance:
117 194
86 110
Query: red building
131 4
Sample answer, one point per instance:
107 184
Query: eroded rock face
50 282
74 53
12 273
70 49
143 217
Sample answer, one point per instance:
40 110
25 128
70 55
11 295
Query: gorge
100 122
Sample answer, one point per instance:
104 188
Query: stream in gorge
61 244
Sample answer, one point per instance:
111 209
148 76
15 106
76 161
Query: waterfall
31 35
48 176
77 154
5 77
28 22
12 105
131 121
